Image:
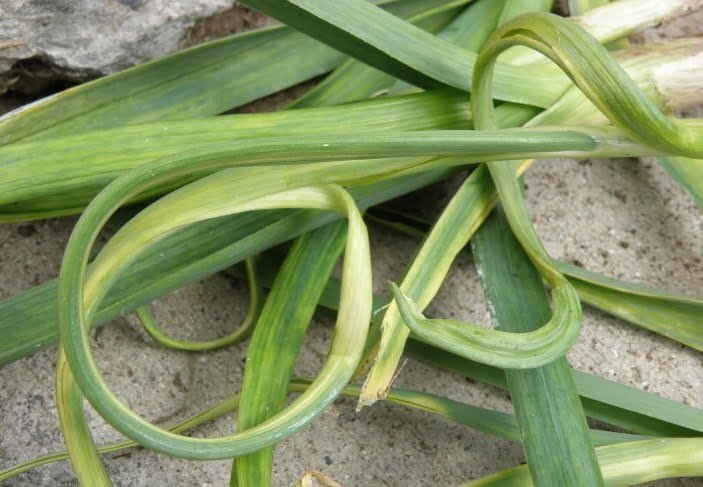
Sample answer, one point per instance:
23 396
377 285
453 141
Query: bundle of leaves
418 92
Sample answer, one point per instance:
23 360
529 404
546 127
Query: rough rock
45 41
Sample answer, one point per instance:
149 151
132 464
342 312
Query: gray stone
42 41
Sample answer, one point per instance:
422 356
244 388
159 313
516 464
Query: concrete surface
624 218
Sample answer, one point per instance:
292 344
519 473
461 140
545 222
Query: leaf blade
363 31
550 415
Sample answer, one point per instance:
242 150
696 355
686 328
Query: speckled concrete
624 218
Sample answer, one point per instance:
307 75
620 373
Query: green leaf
688 173
673 316
625 464
525 350
242 331
354 80
60 175
552 421
368 34
495 423
277 339
81 292
602 80
623 406
85 458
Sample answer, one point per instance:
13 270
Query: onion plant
422 91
